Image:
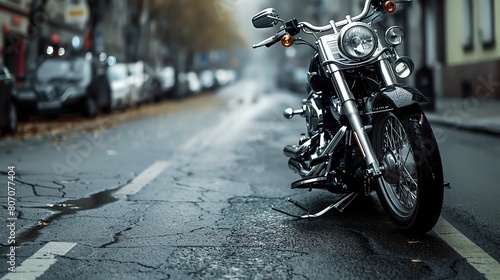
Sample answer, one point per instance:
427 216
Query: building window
468 37
487 28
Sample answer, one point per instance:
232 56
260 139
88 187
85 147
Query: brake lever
271 40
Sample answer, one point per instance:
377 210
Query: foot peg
340 205
289 112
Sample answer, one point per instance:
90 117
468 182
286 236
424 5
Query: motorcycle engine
313 114
317 78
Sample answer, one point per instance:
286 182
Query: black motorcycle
365 131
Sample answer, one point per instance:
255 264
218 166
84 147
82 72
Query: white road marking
36 265
144 178
474 255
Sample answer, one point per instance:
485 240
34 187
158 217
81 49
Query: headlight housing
358 41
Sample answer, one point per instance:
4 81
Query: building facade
14 18
472 48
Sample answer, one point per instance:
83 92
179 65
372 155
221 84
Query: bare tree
191 27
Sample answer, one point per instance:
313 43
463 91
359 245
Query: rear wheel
411 188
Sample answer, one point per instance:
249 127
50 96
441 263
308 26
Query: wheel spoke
409 182
402 195
411 177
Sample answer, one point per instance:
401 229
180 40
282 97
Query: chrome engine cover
313 114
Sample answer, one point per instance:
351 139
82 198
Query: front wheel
411 188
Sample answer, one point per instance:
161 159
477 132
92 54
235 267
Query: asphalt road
184 191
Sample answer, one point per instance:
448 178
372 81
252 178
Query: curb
475 126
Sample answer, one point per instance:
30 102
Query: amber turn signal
287 40
390 6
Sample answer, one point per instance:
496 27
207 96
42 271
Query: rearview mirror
265 19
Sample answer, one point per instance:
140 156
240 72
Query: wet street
184 189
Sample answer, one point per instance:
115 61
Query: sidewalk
469 114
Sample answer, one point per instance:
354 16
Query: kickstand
339 205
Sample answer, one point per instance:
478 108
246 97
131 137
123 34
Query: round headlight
358 41
395 35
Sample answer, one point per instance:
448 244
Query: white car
120 85
136 81
191 82
167 77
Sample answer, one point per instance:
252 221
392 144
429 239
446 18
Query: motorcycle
365 131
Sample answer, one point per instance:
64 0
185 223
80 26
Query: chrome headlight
358 41
395 36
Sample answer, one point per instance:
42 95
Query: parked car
293 78
187 84
167 79
298 82
76 84
145 85
208 79
136 81
8 112
194 83
119 83
225 76
151 88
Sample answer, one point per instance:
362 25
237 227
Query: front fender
393 97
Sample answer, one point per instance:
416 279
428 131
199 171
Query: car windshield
51 70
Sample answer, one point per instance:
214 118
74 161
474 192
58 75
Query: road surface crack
34 187
116 237
109 260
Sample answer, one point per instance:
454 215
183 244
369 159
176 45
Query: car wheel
108 107
23 116
90 107
12 118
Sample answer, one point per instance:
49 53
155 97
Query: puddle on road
65 208
87 203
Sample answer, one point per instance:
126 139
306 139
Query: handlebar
276 38
341 23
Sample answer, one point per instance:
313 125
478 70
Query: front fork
353 115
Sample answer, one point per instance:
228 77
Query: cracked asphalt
208 214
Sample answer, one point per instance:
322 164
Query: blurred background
453 43
184 47
187 34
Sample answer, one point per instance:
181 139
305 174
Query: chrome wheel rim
402 193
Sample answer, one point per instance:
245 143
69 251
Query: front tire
411 188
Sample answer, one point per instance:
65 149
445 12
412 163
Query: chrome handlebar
313 28
306 25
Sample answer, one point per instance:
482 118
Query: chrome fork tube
387 73
353 115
